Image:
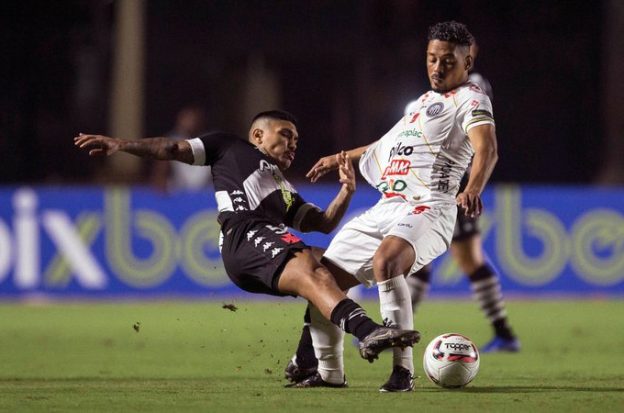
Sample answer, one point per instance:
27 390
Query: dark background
346 69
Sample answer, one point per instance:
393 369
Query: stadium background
89 249
346 69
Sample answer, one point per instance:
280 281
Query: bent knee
322 277
315 279
388 263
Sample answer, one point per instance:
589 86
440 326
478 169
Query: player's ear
256 135
469 62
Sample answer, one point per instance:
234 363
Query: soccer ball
451 360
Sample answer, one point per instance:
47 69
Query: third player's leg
468 253
486 288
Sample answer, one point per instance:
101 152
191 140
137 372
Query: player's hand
471 203
97 145
324 165
346 172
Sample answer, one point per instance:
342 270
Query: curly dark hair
451 31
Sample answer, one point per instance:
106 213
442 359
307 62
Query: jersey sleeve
210 147
298 211
373 162
475 111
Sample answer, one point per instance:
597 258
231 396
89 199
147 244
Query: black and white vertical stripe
489 295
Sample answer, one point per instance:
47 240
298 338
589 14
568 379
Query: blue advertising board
133 242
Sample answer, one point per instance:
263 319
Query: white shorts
429 229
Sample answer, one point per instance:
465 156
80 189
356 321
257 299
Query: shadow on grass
207 384
529 389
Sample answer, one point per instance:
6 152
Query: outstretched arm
483 140
326 221
151 148
329 163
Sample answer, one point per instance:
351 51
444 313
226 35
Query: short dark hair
276 114
451 31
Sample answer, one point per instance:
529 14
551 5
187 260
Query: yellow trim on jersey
418 177
479 119
423 135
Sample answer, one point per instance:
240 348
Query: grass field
197 356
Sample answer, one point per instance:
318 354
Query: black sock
487 290
305 350
424 274
502 329
352 318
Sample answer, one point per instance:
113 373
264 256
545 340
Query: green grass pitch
198 356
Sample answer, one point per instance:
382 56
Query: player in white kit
417 167
467 250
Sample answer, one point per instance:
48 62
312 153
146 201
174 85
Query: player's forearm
326 221
151 148
335 211
482 166
357 153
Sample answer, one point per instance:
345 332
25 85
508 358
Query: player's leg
304 276
394 258
349 258
413 241
327 338
320 340
262 258
486 288
303 363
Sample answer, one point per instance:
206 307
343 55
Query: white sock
327 339
396 308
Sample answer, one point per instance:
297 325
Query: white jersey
424 156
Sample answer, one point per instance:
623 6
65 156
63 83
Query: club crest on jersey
287 196
435 109
397 167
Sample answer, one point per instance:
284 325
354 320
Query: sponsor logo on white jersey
397 167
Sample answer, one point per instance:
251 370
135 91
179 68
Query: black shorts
255 252
465 226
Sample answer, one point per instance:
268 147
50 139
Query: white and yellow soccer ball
451 360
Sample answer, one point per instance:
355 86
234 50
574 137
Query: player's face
279 141
447 65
